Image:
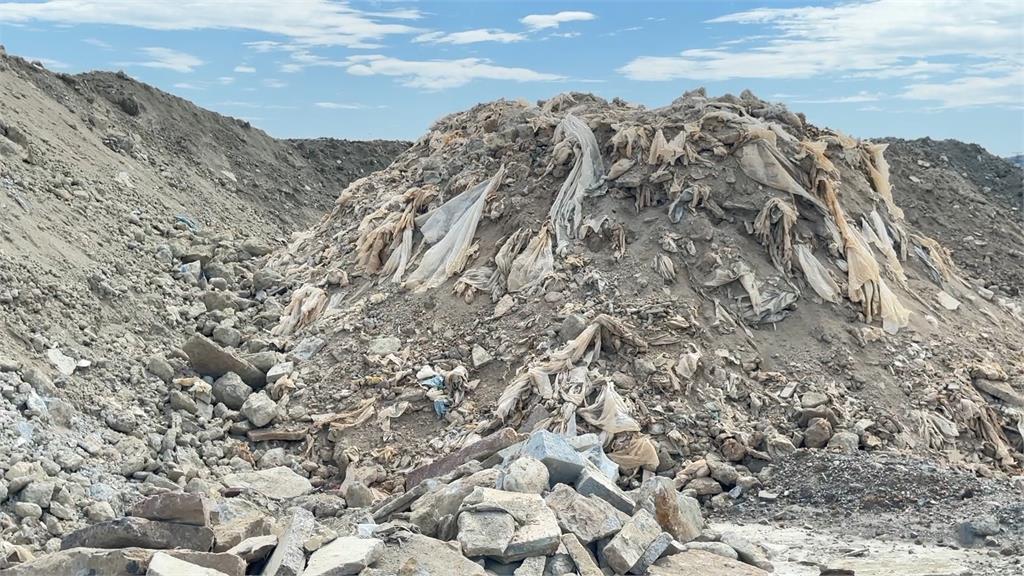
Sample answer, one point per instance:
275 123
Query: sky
390 68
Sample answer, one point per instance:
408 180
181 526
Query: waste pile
509 504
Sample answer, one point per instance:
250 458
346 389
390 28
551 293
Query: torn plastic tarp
535 263
818 277
635 451
762 162
585 179
609 412
306 305
450 228
878 169
737 271
774 228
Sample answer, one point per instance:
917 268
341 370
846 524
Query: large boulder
128 532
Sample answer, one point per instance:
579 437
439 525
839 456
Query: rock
430 509
748 552
384 346
485 533
532 566
526 475
813 399
227 336
234 531
733 450
596 456
589 519
159 366
209 359
571 327
480 451
818 433
585 563
564 464
137 532
481 357
401 502
85 561
279 483
99 512
181 401
255 548
719 548
163 564
357 495
971 532
653 552
724 474
39 382
180 507
38 493
344 556
226 563
537 532
218 300
627 547
289 558
420 555
27 510
779 447
259 409
844 441
280 370
677 514
592 482
704 486
120 420
231 391
701 563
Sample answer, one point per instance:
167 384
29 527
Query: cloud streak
441 74
542 21
166 59
470 37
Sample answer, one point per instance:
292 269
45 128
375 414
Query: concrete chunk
629 545
289 558
279 483
677 514
593 483
209 359
166 565
584 560
589 519
564 464
345 556
485 533
138 532
654 551
180 507
255 548
537 532
477 451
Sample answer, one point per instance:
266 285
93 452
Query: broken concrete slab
289 558
223 563
137 532
627 547
564 464
166 565
237 530
654 551
537 532
589 519
344 556
85 561
209 359
255 548
446 500
424 556
701 563
485 533
180 507
586 565
477 451
679 515
592 482
280 483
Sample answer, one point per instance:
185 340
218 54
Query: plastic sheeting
878 169
762 162
306 305
535 264
774 228
817 275
609 412
450 228
584 179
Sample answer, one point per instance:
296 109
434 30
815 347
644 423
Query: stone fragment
357 495
701 563
344 556
818 433
844 441
593 483
384 346
209 359
428 511
27 510
279 371
181 507
38 492
401 502
259 409
704 486
255 548
280 483
289 558
479 450
165 565
585 563
226 563
420 555
481 357
564 464
719 548
627 547
231 391
748 552
677 514
526 475
589 519
733 450
138 532
236 530
85 561
99 512
532 566
485 533
537 532
654 551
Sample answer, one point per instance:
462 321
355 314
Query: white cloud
311 22
471 37
862 96
541 21
344 106
441 74
253 105
98 43
274 83
187 86
868 39
972 91
242 69
226 80
166 59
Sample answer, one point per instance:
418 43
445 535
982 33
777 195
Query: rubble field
576 336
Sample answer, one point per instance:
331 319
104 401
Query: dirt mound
970 200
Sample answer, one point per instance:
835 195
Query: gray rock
720 548
357 495
480 356
39 382
128 531
596 456
585 563
279 371
345 556
564 464
592 482
704 486
162 564
526 475
420 555
231 391
231 533
181 401
276 483
215 300
537 532
445 501
99 512
533 566
679 515
384 346
627 547
844 441
259 409
748 552
38 493
779 446
27 510
227 336
120 420
571 327
289 558
255 548
589 519
180 507
159 366
485 533
209 359
818 433
654 551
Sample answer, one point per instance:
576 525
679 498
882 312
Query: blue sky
388 69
